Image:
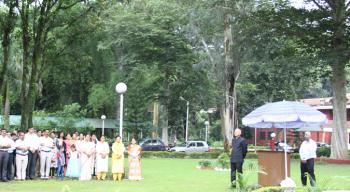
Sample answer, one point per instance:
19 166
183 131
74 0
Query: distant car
320 145
152 145
281 145
191 147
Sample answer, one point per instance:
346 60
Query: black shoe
5 180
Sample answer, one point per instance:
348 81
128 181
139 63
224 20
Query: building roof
323 103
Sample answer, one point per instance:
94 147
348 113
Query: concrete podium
272 163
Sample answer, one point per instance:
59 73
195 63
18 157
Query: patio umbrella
285 114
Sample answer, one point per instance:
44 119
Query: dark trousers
10 167
31 164
307 168
235 167
4 157
52 171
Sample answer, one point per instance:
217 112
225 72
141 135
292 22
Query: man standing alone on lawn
307 153
239 151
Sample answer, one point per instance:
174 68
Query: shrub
224 160
324 152
179 155
205 163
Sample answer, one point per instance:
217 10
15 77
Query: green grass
176 175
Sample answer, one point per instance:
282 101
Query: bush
205 163
205 155
179 155
224 160
324 152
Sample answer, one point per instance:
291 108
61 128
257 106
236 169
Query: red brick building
323 135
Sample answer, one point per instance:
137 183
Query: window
192 145
154 142
262 136
200 145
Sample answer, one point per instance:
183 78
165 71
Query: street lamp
121 88
206 123
103 117
187 114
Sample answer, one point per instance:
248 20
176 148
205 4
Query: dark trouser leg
233 172
1 163
310 170
10 167
4 156
239 166
31 165
303 171
14 164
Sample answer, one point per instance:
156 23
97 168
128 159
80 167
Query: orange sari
134 152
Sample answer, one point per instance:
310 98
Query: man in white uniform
21 157
46 145
33 142
5 144
307 156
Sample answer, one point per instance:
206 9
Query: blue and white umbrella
285 114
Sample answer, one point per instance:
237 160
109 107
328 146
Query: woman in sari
118 159
102 151
134 152
87 149
68 143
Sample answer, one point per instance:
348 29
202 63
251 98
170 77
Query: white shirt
13 146
21 143
3 142
308 150
33 141
46 144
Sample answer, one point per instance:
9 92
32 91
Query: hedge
205 155
180 155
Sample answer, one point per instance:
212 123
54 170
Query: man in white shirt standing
10 163
22 149
5 144
46 145
307 153
33 141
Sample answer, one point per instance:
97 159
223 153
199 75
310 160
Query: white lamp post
187 114
206 123
121 88
103 117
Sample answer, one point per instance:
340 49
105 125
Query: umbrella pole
285 152
255 140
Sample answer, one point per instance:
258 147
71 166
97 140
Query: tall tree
324 32
38 19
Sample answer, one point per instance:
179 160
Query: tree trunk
338 59
26 65
8 26
164 123
231 73
6 96
339 145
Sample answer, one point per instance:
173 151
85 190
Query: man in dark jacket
239 151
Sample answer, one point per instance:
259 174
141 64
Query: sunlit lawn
170 175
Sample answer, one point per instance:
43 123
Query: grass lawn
176 175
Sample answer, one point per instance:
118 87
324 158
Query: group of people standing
24 156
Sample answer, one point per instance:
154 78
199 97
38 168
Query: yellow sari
118 157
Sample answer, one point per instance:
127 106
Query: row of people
80 156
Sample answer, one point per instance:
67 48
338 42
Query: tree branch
319 5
